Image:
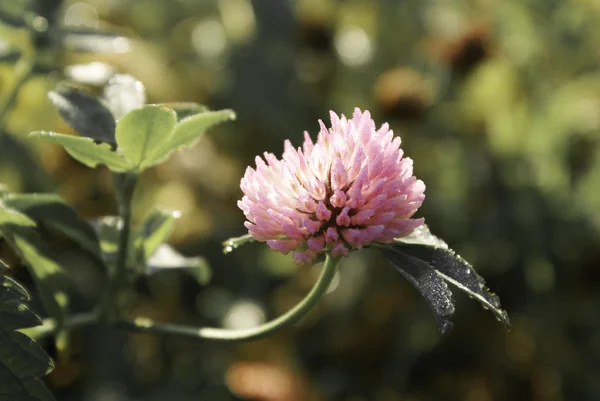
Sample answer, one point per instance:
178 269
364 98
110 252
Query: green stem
124 197
49 326
23 70
145 325
109 307
233 243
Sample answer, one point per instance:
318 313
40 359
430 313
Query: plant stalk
145 325
109 307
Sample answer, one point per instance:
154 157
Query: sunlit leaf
84 113
186 109
165 259
88 152
142 131
188 131
423 248
22 360
123 94
9 216
108 229
54 212
50 278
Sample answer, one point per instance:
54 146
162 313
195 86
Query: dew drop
228 249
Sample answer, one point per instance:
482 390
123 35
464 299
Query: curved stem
145 325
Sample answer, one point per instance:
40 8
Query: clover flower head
348 189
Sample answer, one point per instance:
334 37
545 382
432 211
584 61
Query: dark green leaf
84 113
54 212
142 131
188 131
123 94
22 361
49 277
167 259
423 246
88 152
14 313
431 286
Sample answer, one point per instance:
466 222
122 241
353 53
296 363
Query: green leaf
156 229
84 113
22 360
188 131
186 109
422 251
88 152
10 216
49 277
51 210
142 131
107 229
167 259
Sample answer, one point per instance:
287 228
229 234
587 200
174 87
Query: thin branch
49 326
233 243
146 325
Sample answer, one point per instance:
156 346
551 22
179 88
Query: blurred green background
497 102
